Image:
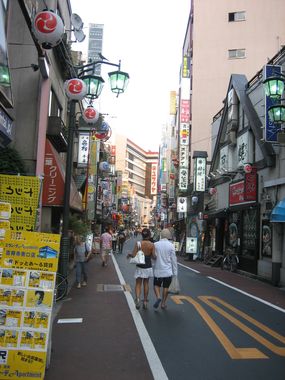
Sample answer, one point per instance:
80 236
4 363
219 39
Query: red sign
185 111
244 191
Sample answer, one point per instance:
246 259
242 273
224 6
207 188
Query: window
236 16
55 108
236 53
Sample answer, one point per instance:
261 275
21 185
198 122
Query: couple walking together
164 267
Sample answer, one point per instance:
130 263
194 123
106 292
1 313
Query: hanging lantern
104 133
212 190
75 89
247 168
104 166
48 29
90 115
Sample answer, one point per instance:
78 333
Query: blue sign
271 129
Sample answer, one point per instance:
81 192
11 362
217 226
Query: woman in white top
164 268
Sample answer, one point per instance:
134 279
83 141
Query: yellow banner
30 250
23 195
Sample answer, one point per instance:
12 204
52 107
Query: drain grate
110 288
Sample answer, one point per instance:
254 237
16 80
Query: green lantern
277 113
94 85
274 87
118 81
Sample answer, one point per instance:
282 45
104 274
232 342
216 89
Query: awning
278 213
53 184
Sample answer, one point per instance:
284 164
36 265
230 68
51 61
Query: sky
147 36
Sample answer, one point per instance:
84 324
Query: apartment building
226 37
139 178
95 43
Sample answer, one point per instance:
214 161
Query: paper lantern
75 89
104 132
247 168
90 115
104 166
48 29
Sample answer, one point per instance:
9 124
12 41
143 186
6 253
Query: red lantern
212 190
247 168
90 115
48 29
75 89
104 133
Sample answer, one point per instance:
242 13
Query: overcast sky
148 37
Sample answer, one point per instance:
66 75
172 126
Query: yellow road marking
233 352
274 348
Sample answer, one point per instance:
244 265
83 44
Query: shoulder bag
139 257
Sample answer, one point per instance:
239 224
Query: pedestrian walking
121 239
82 253
106 246
165 267
114 241
143 272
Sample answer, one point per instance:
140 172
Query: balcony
57 133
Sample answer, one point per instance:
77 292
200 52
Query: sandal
163 307
145 304
137 303
157 302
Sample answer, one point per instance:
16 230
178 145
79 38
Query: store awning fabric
278 213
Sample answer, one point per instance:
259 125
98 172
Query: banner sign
23 193
270 130
181 204
200 173
83 149
28 268
153 189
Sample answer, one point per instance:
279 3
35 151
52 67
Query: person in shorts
165 267
106 246
143 271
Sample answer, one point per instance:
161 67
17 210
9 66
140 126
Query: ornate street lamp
75 90
274 87
276 113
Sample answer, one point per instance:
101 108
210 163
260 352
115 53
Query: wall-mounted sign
270 130
153 188
183 179
200 173
245 148
181 204
184 134
184 156
191 245
244 191
83 148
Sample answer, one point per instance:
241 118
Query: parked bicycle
61 287
230 261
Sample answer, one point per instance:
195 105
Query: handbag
139 257
174 287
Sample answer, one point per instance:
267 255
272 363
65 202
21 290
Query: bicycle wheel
234 263
61 286
226 263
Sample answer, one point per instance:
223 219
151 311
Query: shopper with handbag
164 268
143 272
82 253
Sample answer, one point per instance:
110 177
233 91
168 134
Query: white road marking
151 354
185 266
70 320
247 294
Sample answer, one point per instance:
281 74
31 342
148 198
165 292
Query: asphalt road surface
211 331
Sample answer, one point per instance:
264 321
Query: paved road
211 331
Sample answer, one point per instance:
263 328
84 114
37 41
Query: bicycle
61 287
230 261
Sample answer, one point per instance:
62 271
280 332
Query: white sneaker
84 283
78 286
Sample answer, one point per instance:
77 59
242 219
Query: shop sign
185 111
244 191
83 149
153 189
183 179
245 148
181 204
200 174
184 134
183 156
6 127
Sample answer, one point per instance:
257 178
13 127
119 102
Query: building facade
95 44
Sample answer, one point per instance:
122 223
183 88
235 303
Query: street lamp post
94 84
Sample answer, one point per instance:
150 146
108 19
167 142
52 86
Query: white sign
200 174
181 204
83 148
184 156
183 179
191 245
244 149
184 134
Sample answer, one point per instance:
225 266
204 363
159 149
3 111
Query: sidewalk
106 345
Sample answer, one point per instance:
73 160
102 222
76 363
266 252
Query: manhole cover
112 288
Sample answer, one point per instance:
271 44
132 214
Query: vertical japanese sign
23 194
200 173
28 268
83 149
153 189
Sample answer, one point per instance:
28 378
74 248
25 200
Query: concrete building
225 37
95 44
139 178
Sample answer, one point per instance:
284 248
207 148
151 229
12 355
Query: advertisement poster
28 266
